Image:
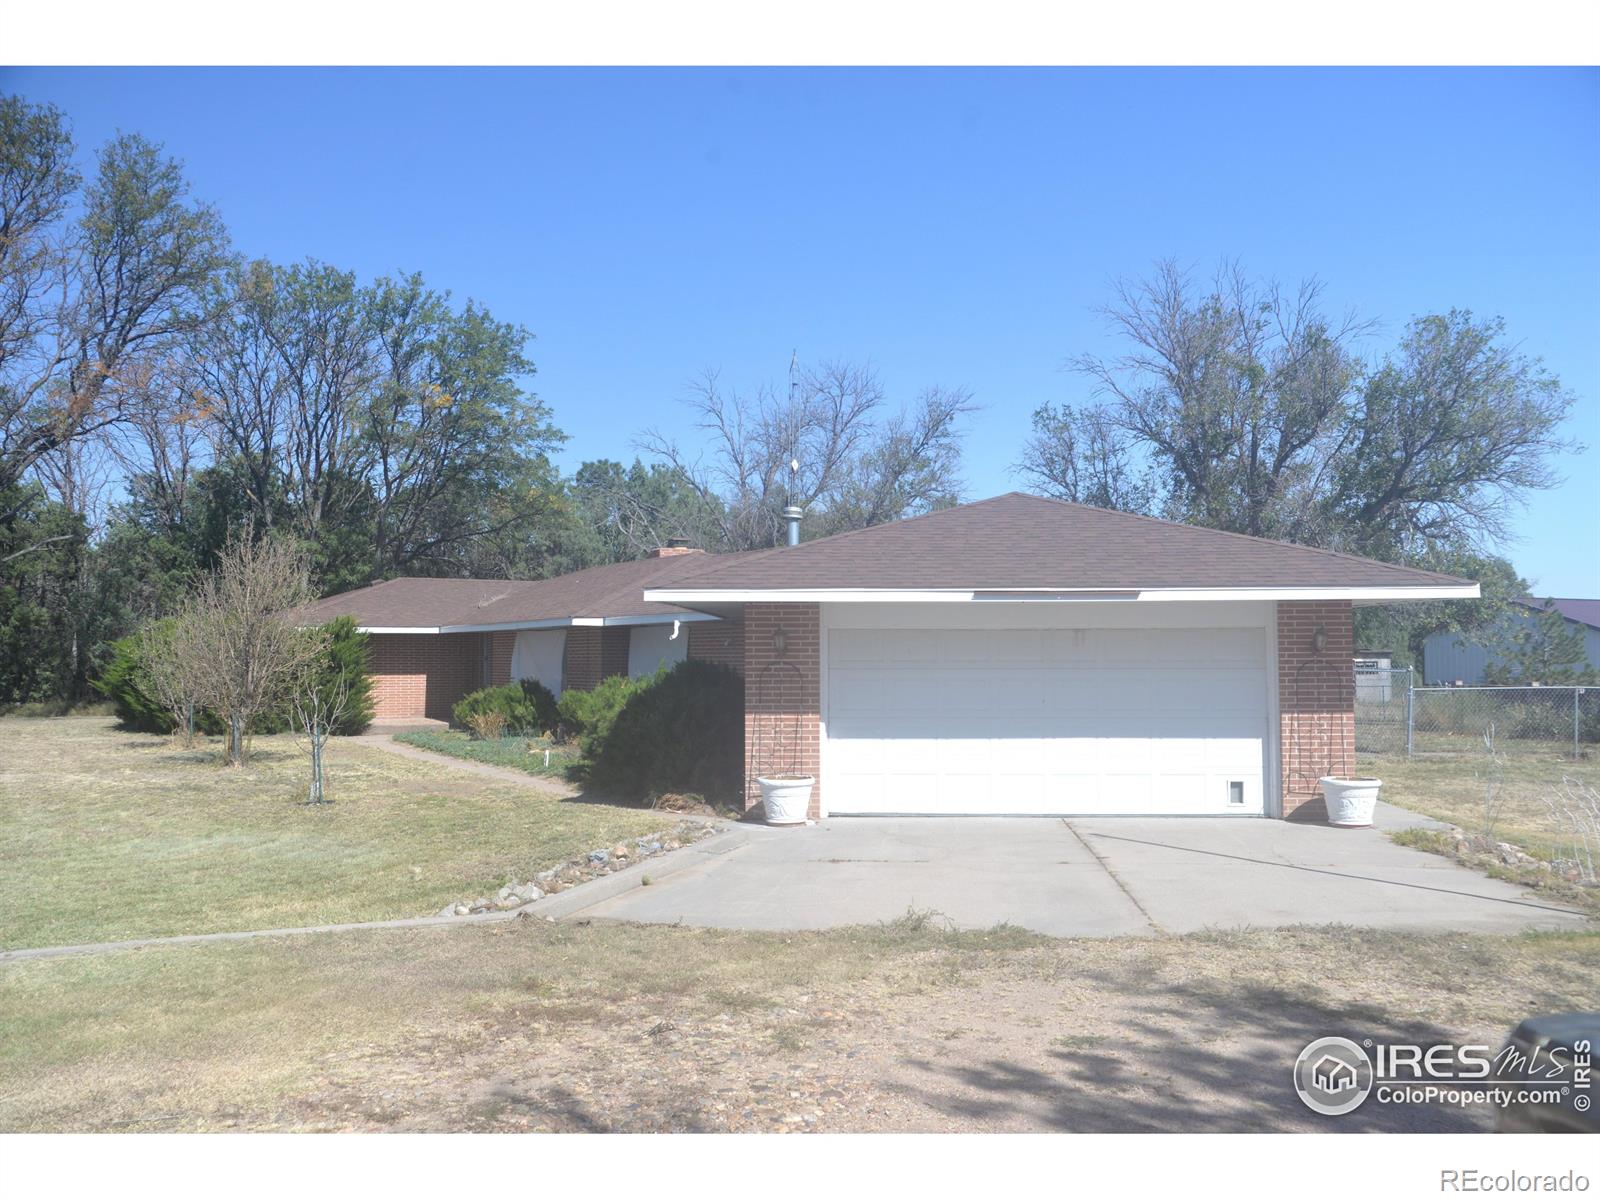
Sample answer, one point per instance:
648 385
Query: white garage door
1160 721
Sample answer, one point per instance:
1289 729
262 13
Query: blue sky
953 226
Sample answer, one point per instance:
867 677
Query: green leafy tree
1404 628
89 291
41 605
1244 406
458 450
1541 647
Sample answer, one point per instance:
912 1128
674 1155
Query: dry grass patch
1452 789
106 835
528 1025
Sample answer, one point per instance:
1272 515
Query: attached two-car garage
1045 720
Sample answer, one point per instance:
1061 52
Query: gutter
1358 595
551 623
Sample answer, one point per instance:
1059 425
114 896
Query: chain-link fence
1381 708
1394 716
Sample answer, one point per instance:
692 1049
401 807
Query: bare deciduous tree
173 675
241 635
824 447
165 439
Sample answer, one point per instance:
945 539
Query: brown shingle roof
610 591
1019 541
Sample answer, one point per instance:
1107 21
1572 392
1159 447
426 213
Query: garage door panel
1230 689
1046 721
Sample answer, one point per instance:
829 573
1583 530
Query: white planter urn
1350 801
786 798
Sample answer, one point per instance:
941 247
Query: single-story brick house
1016 655
435 640
1023 655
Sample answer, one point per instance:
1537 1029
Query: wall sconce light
1319 639
780 642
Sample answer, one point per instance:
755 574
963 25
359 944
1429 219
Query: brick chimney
675 546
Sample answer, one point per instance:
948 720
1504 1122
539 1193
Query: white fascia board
660 619
552 623
1368 595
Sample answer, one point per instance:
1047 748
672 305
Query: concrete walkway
1099 877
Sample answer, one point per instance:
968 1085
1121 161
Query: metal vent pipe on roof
791 516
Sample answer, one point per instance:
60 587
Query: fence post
1411 683
1576 692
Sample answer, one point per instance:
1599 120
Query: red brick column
614 643
581 668
505 642
1316 702
782 696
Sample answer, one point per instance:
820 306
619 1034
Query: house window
1236 791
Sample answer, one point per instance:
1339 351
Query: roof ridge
1249 537
1114 512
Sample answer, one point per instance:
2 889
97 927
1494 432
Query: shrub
126 683
677 731
546 714
524 707
346 661
585 715
487 724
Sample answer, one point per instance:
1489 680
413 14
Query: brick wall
503 643
423 674
1316 702
782 696
614 643
580 668
718 642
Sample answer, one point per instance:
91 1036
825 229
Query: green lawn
535 755
1451 788
107 835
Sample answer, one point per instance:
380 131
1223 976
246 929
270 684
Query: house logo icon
1333 1076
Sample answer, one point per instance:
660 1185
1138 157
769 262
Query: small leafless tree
320 701
172 674
242 635
824 446
1493 777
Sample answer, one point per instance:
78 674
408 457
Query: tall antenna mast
794 460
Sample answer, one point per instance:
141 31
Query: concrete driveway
1100 877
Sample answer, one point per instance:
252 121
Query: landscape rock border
592 865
